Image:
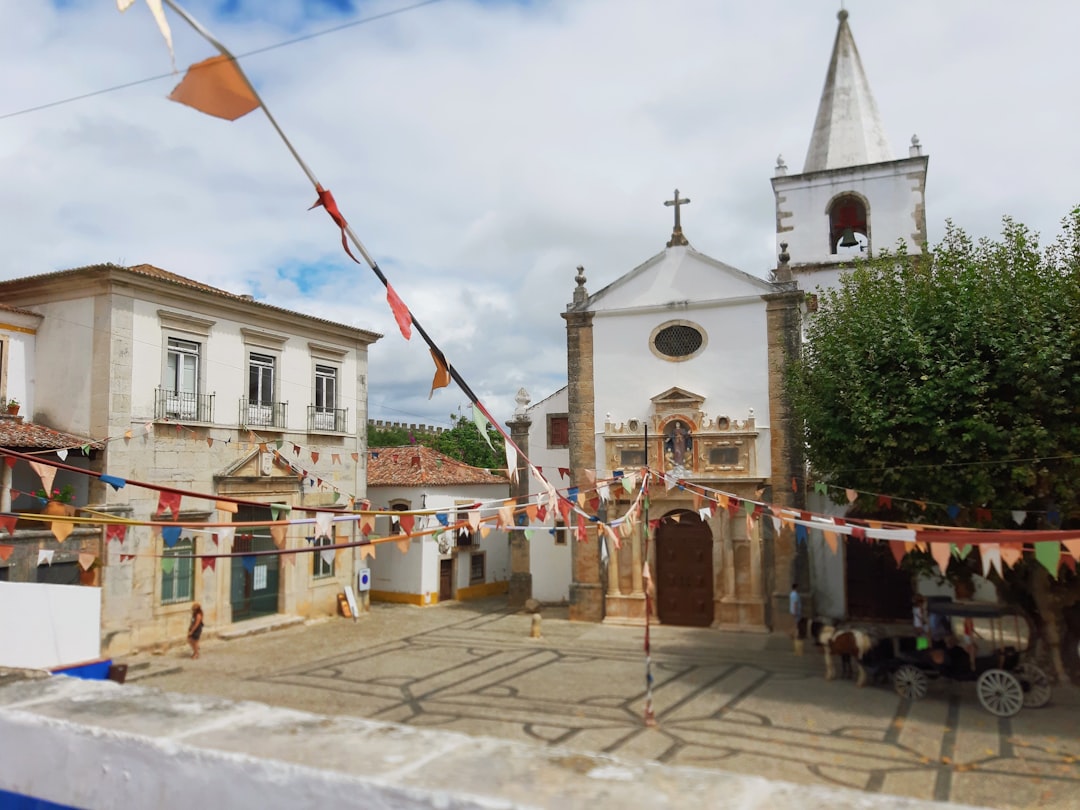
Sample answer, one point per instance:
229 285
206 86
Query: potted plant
57 502
13 407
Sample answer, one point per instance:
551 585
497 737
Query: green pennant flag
167 564
821 487
961 552
481 423
1049 554
748 507
626 485
279 443
86 449
337 496
526 533
278 509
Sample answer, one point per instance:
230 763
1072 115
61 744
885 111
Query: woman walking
195 630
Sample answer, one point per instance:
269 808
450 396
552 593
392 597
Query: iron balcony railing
263 414
183 405
330 420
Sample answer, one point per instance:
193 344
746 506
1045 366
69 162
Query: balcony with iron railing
327 420
183 405
271 415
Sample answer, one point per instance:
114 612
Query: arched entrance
684 570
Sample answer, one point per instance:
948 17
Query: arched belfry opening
849 225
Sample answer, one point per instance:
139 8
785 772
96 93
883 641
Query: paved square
726 701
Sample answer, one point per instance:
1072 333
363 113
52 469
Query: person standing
195 629
795 607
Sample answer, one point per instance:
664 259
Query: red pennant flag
126 558
442 373
582 534
899 549
541 512
314 456
7 523
564 509
982 515
335 458
216 87
401 312
858 533
5 552
208 562
407 522
1068 562
10 461
355 456
115 532
884 501
565 472
594 504
327 201
733 506
169 502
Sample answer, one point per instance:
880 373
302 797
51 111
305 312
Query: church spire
848 130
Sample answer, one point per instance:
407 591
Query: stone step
264 624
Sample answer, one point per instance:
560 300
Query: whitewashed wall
63 380
56 625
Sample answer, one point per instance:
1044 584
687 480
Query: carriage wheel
910 682
1000 692
1035 684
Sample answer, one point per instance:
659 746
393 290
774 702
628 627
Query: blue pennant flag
953 511
249 564
571 494
800 534
171 535
443 518
113 481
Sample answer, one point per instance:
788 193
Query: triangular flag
61 529
249 563
898 549
314 456
159 17
225 538
474 519
227 506
45 555
277 534
1011 553
217 87
941 553
168 564
401 312
7 523
991 557
86 561
481 423
367 550
170 535
115 531
403 546
327 555
113 481
62 454
506 514
127 436
208 562
1049 555
324 524
169 503
830 539
46 473
442 373
1073 547
5 552
511 460
126 558
1019 516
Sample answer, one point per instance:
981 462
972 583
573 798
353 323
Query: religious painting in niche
678 444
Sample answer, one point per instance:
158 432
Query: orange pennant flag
941 552
61 529
830 541
217 87
442 373
367 550
5 552
226 506
86 560
403 546
1073 547
277 532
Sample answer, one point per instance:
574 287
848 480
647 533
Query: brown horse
849 644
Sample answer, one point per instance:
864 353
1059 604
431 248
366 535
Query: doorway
684 571
446 579
253 591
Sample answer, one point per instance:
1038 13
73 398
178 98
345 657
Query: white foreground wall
45 626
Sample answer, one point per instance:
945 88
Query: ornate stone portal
718 453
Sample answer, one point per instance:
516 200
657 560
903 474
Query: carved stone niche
677 401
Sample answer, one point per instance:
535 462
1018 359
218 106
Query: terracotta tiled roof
6 308
416 465
17 434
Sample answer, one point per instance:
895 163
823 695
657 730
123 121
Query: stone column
783 310
614 588
520 564
586 593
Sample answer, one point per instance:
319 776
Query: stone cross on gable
677 237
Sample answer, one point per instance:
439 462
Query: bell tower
853 196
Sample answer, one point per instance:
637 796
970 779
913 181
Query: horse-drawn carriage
1004 682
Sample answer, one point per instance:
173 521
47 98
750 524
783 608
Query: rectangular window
476 568
561 532
260 379
325 389
320 567
178 582
558 430
182 378
724 456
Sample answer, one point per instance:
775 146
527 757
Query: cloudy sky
482 149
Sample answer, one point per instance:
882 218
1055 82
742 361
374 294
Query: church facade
678 366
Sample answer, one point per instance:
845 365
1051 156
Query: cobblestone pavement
736 702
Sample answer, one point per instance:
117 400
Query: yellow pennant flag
367 550
61 529
403 546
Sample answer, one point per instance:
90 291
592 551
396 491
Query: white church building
678 365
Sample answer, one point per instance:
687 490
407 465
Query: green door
254 590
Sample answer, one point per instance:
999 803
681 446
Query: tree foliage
953 377
462 442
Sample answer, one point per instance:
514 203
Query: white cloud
483 150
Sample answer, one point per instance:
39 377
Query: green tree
953 377
462 441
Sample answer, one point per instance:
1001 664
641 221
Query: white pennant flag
225 538
511 461
474 519
45 555
324 524
776 524
1019 517
991 557
704 513
62 454
604 491
327 555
